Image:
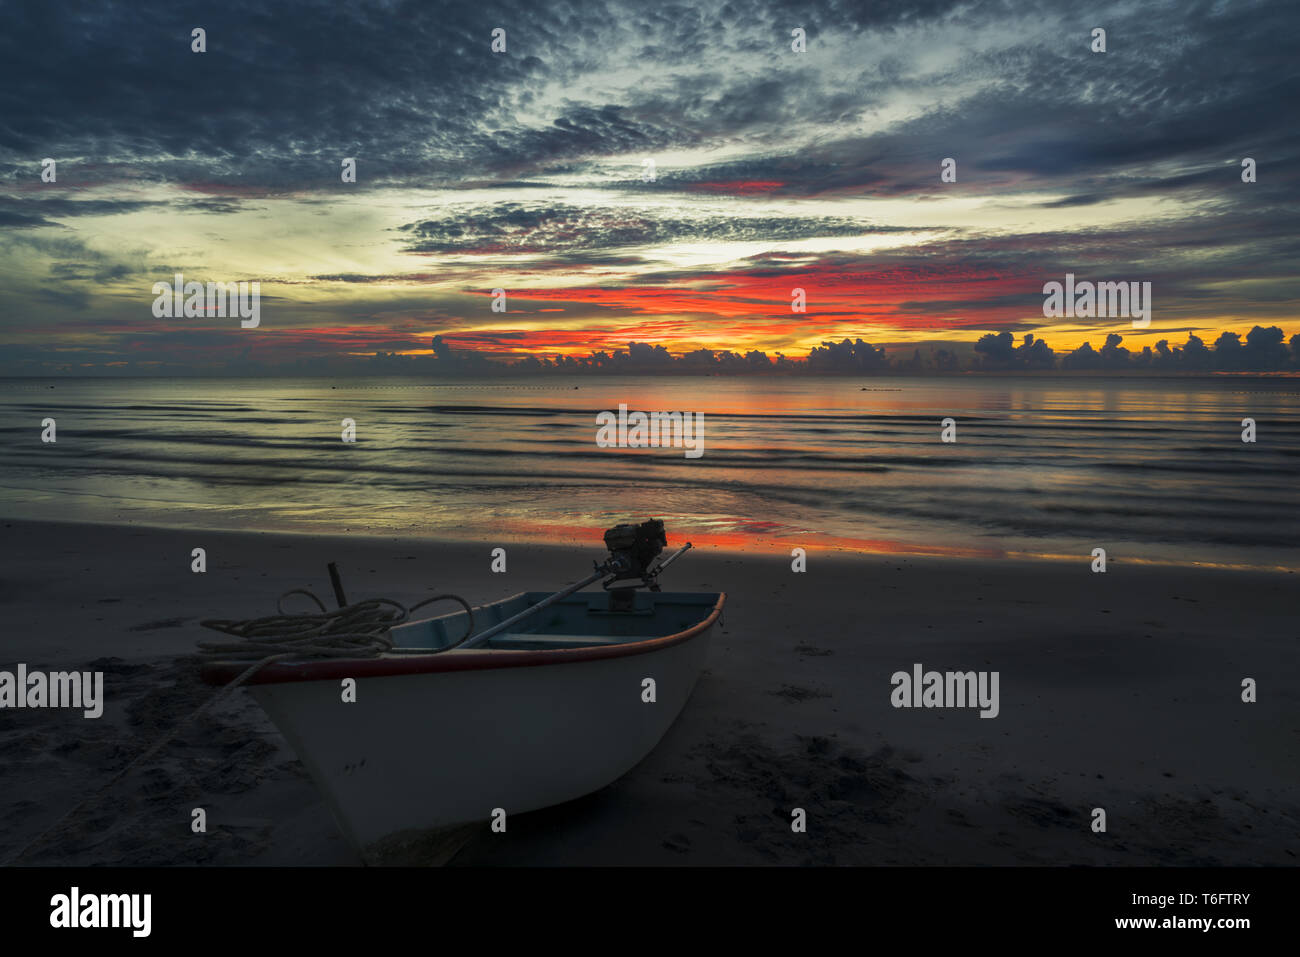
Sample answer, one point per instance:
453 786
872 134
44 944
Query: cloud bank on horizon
525 170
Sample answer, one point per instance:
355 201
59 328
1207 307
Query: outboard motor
633 547
632 551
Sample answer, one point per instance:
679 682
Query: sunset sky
523 170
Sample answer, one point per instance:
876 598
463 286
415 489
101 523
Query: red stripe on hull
334 669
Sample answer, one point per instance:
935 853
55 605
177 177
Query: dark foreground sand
1119 691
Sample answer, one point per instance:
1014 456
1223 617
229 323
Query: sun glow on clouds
351 255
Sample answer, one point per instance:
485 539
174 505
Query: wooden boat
550 706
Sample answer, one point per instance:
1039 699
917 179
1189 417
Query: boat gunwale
476 659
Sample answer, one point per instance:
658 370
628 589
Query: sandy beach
1119 690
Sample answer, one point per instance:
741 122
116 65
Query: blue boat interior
581 620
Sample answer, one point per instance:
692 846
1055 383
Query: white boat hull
417 752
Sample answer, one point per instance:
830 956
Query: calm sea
1152 470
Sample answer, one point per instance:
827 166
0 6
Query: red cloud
752 308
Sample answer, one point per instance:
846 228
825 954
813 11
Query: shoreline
731 545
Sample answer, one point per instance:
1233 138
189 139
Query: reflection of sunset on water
848 464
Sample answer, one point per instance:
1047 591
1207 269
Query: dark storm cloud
16 220
413 91
1212 90
518 227
219 206
55 207
277 87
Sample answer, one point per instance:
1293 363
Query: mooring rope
359 630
